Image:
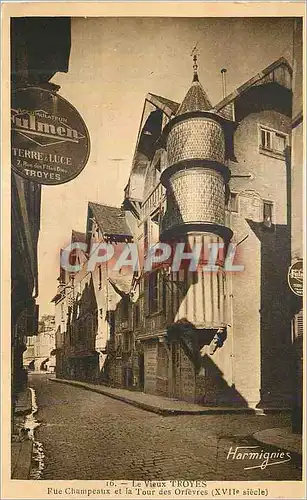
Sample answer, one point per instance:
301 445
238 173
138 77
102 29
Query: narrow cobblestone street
86 435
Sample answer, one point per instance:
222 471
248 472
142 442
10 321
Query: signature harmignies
263 458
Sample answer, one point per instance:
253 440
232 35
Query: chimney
224 71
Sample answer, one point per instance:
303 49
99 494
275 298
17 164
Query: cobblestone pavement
86 435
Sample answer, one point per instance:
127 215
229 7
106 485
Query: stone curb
24 408
23 464
152 408
269 438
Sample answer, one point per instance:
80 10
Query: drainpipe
232 332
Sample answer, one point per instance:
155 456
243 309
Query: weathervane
195 54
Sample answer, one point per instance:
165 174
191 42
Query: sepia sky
114 63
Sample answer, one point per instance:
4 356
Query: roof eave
247 85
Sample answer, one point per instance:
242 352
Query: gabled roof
269 74
111 220
163 101
196 99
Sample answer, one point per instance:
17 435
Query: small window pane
263 142
266 139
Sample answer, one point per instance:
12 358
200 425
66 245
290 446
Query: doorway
183 374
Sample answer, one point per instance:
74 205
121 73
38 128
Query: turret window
272 142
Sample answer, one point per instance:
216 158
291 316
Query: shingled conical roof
196 99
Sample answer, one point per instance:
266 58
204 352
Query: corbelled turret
196 174
195 181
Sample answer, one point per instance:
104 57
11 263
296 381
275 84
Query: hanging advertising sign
295 278
50 142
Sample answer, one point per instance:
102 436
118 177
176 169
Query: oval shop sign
295 278
50 142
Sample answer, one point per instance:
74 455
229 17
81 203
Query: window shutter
280 143
299 324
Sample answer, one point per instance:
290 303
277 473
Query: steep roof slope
111 220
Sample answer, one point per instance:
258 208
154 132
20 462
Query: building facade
40 353
34 60
86 301
203 176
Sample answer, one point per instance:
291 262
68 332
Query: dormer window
272 142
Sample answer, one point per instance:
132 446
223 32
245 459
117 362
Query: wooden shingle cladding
196 99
